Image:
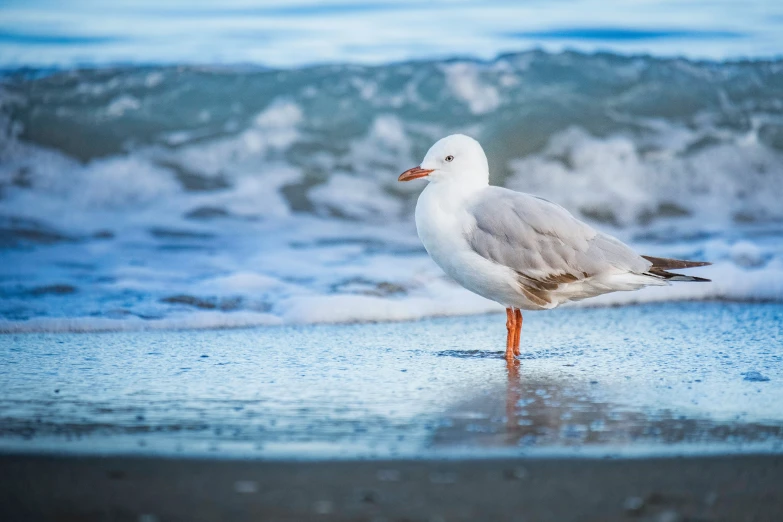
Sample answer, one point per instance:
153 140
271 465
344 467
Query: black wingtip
693 279
673 276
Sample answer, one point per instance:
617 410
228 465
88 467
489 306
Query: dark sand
725 488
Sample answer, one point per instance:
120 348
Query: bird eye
449 158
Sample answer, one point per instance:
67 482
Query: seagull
517 249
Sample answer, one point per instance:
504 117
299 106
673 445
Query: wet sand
727 488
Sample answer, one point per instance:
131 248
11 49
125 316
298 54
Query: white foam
71 193
354 197
364 308
614 175
385 145
463 79
122 104
747 254
243 282
272 130
201 320
279 114
257 193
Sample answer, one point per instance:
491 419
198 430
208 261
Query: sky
279 33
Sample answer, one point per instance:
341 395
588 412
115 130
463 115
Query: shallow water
642 380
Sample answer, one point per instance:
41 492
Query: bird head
453 159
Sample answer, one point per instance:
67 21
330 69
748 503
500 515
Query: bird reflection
513 395
557 412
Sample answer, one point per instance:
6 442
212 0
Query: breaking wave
185 197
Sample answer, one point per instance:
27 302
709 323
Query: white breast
441 221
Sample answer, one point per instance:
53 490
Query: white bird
517 249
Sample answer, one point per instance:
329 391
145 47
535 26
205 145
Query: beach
657 412
715 489
215 305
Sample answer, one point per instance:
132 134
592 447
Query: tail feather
660 266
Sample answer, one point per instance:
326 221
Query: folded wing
545 245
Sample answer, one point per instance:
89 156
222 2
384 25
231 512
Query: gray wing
543 243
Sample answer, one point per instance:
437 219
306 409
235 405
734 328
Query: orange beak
414 173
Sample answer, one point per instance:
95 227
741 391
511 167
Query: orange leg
518 331
511 321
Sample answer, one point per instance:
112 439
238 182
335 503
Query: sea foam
184 197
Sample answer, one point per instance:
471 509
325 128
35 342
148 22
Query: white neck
451 194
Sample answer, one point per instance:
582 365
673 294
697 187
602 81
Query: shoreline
249 321
124 446
717 488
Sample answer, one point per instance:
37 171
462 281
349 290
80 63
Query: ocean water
148 197
293 33
186 189
654 379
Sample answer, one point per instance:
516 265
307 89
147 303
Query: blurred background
216 164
